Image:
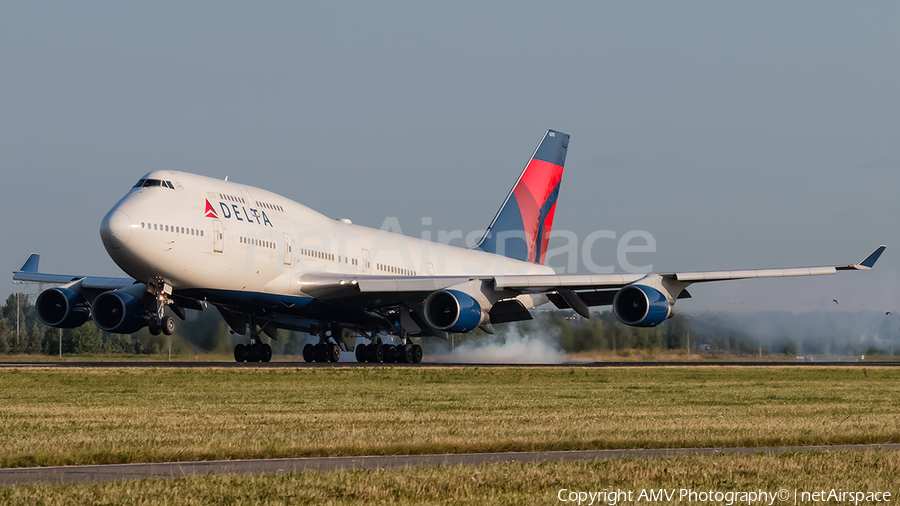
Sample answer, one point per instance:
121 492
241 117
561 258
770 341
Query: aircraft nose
115 230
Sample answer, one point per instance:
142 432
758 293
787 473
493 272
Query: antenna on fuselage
226 178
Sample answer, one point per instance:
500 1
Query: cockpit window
146 183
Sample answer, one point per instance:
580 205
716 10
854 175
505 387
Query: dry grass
501 484
72 416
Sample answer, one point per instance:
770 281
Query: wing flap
700 276
407 283
99 283
511 310
572 281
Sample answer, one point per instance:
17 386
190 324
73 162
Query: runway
122 472
265 365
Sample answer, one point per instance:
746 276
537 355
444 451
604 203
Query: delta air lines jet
268 263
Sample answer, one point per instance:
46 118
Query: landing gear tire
265 352
376 353
417 353
323 353
252 353
406 355
153 327
362 352
309 353
334 352
168 325
240 353
390 354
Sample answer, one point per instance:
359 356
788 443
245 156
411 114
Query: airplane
266 263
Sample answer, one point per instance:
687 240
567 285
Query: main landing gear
256 351
376 352
323 351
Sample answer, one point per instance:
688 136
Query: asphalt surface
123 472
438 364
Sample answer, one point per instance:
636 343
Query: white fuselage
249 239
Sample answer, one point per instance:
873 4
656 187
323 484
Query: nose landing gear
159 322
165 325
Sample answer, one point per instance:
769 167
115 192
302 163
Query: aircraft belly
282 306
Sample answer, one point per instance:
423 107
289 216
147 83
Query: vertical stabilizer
521 228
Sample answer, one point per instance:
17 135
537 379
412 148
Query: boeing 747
266 263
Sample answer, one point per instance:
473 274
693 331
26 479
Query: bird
836 302
887 313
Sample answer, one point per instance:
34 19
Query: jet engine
62 308
454 311
121 311
642 306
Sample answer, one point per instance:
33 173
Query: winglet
867 263
31 265
870 260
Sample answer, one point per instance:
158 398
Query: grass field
90 416
626 355
502 484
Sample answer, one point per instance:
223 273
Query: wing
583 282
91 284
576 291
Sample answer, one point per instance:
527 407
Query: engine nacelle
120 311
454 311
62 308
641 306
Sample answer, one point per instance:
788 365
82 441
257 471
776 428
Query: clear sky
739 135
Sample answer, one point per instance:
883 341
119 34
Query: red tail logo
210 212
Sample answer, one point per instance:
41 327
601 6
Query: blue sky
739 135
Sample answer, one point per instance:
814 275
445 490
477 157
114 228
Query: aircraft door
218 237
288 246
365 261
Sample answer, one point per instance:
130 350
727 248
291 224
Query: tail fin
521 228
